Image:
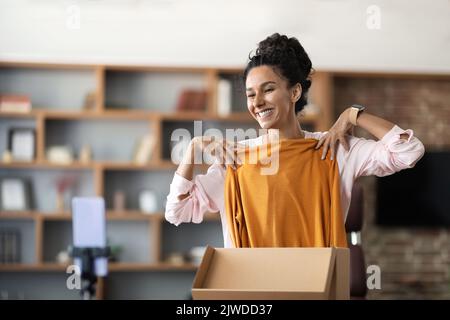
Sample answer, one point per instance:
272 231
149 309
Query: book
9 246
144 149
224 97
192 100
15 103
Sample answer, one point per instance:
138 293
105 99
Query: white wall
414 34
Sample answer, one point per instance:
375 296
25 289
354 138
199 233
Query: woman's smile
265 114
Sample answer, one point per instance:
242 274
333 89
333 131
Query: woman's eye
250 96
269 90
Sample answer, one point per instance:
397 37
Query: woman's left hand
336 134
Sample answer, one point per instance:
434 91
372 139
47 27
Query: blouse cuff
180 185
394 135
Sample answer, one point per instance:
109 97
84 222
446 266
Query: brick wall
415 263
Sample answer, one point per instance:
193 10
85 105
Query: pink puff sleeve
205 192
386 156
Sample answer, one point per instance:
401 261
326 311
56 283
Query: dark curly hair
288 59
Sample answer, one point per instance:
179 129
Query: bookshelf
129 102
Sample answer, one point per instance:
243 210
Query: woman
277 80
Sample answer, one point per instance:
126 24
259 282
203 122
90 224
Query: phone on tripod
89 250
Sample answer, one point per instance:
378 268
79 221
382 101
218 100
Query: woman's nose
259 100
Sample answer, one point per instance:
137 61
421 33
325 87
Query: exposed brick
414 262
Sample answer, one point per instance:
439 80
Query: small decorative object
224 97
89 101
175 258
60 155
85 154
196 254
63 257
63 184
7 156
21 142
119 201
14 195
144 149
148 201
116 250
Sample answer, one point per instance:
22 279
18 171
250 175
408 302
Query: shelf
126 215
131 114
160 165
31 114
124 267
46 165
82 115
19 267
110 215
111 165
112 267
150 95
18 215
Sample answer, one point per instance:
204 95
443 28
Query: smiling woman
292 207
277 81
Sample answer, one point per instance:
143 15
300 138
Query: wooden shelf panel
113 267
124 267
99 115
46 165
111 165
31 114
110 215
160 165
18 215
127 114
32 267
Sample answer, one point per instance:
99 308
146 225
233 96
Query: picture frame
14 194
22 144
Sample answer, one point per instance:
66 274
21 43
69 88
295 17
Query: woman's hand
336 134
226 152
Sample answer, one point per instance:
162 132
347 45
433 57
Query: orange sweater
298 206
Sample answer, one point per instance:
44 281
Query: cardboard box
273 273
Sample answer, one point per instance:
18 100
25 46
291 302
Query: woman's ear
296 92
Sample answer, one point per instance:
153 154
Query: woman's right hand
224 151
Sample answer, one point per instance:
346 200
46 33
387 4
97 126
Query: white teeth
264 113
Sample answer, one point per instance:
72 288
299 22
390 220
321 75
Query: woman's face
269 100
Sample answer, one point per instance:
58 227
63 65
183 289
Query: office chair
353 226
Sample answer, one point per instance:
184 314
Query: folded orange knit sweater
297 204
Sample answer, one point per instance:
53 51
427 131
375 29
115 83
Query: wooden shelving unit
150 112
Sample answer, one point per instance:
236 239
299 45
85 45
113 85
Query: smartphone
89 229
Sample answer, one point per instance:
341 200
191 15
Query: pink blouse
365 158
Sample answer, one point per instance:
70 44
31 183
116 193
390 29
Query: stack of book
15 103
9 246
192 100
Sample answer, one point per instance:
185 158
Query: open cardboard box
273 273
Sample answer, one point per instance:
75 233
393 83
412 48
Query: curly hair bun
289 58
